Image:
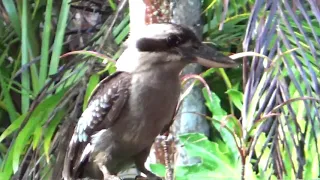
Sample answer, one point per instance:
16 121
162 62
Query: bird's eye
173 40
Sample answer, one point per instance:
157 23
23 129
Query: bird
129 108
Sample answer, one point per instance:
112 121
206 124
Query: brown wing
103 109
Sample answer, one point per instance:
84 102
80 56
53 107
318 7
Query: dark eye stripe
148 44
173 40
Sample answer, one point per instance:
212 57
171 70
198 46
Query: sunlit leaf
214 158
14 126
158 169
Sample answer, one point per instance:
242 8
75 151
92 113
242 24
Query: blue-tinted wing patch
91 119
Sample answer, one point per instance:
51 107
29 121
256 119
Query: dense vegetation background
264 115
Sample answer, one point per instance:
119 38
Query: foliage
265 115
38 85
279 130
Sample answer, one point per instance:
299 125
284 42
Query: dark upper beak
208 56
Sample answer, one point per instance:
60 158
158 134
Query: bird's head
170 45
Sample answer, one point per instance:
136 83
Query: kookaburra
131 107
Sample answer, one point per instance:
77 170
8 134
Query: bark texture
187 12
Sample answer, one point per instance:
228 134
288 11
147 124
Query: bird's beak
209 57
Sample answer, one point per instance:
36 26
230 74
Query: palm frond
287 34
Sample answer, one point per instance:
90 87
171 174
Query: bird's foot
148 178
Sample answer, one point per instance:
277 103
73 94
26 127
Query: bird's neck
128 61
157 77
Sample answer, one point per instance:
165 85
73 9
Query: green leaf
58 41
213 155
25 100
218 113
236 97
13 126
20 143
123 24
158 169
7 98
37 118
214 105
5 175
113 5
216 159
123 35
44 62
196 172
311 169
210 6
208 72
93 81
10 7
36 137
50 132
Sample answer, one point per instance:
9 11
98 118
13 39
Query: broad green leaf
5 175
213 155
218 113
158 169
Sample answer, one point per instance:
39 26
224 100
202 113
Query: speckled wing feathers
104 107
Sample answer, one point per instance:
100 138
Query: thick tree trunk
187 12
